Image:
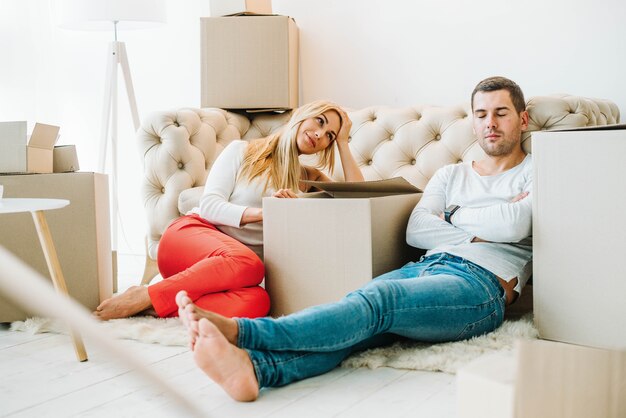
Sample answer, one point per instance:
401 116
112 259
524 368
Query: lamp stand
117 56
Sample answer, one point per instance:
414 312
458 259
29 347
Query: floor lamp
112 15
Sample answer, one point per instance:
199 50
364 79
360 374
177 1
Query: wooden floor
40 377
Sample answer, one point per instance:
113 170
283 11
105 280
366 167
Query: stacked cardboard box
240 7
544 379
19 154
249 62
578 236
80 232
578 287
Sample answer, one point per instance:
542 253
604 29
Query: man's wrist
449 211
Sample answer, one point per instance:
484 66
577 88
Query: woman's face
317 133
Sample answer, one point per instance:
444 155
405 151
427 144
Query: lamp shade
100 14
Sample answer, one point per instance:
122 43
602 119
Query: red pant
218 272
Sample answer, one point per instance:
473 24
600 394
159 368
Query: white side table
37 207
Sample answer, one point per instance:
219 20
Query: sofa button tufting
369 162
163 190
181 165
413 161
176 124
391 137
438 137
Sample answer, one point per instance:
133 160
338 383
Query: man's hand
285 193
515 199
519 197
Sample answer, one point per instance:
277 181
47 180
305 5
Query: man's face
497 125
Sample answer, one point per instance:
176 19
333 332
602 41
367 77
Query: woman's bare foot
190 314
129 303
229 366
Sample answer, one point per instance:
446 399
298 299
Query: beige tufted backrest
180 146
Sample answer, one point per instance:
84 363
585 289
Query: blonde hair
276 156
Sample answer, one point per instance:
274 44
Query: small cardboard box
65 159
486 386
579 276
18 156
318 249
249 62
556 380
240 7
80 232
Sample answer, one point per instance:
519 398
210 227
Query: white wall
355 52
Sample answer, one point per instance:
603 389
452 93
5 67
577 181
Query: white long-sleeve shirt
225 199
485 212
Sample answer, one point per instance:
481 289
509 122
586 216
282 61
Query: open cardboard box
18 156
320 247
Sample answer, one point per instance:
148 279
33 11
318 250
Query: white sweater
486 212
225 199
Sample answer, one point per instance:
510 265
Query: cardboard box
240 7
65 159
544 379
486 386
21 156
318 249
556 380
579 275
249 62
80 231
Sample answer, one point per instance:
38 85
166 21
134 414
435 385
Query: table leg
45 238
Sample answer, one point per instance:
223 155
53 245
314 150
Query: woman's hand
351 170
285 193
346 124
251 215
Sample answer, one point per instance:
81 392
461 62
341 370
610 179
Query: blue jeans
440 298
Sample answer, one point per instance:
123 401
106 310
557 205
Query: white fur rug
445 357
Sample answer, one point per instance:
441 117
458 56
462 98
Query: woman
214 252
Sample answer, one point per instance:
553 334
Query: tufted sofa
179 146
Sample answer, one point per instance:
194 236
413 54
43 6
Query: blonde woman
214 252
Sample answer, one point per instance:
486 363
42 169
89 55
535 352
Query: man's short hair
502 83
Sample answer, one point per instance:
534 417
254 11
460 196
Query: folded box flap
613 127
44 136
395 185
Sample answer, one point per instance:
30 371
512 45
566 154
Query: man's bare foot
129 303
229 366
190 314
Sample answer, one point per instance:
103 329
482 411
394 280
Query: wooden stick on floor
34 293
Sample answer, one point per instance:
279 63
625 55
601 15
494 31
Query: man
475 221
